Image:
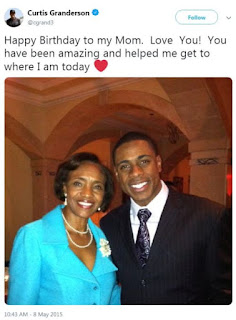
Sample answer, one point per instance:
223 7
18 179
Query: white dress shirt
156 207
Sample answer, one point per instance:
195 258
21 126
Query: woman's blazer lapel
56 248
66 263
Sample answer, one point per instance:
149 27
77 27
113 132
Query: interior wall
211 178
18 192
30 116
182 170
101 148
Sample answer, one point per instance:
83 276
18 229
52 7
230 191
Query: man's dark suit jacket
190 257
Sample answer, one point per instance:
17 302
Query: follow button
196 16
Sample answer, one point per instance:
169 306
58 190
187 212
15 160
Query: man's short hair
12 12
132 136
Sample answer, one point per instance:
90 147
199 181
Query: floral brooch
105 248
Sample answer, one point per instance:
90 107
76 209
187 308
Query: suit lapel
168 221
126 231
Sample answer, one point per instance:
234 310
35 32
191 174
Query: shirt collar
155 206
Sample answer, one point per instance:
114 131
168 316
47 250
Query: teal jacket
45 271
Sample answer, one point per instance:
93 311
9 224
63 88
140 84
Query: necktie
143 238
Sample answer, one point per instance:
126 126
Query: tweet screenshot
116 159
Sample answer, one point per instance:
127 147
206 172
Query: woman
64 258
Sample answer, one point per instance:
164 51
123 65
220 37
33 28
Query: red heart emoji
100 65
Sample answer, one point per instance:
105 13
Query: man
170 248
13 21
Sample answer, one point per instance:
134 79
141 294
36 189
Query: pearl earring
65 201
99 209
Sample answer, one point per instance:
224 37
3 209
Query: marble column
210 167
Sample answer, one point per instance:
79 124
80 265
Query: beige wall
182 170
210 181
18 192
101 148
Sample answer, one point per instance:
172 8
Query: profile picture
13 17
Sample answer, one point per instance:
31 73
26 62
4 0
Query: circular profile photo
13 17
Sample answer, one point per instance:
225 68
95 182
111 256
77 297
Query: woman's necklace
80 232
75 230
78 246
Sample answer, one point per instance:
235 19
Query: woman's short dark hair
133 136
72 164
